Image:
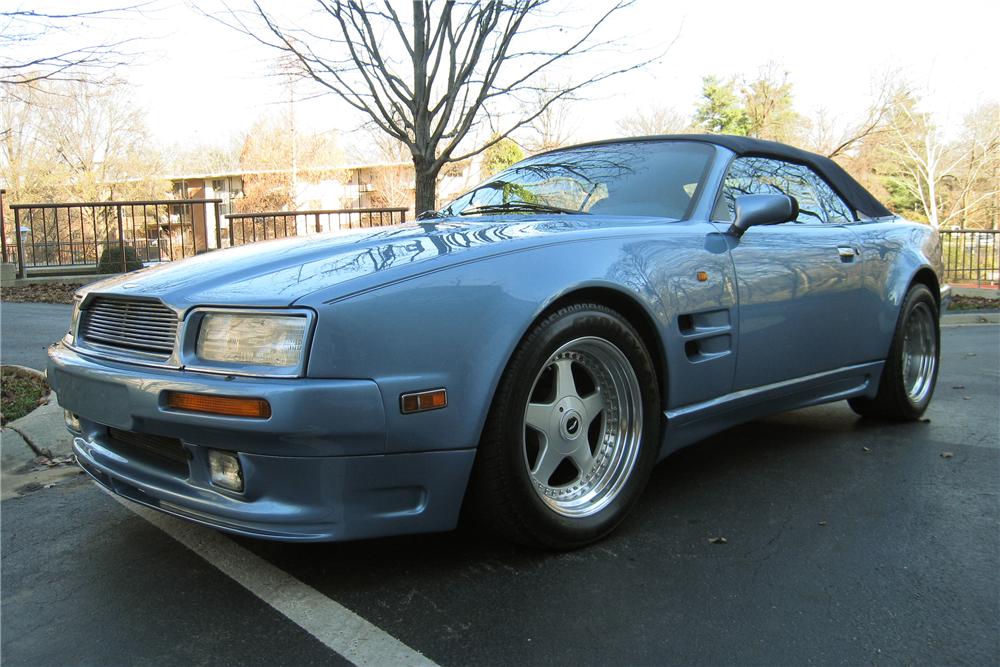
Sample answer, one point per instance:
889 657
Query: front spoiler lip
126 486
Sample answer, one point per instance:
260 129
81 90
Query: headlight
74 321
252 339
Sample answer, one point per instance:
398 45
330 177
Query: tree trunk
425 180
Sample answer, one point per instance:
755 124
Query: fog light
72 421
226 471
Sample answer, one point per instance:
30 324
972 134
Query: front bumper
316 470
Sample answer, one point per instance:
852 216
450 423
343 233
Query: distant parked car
529 352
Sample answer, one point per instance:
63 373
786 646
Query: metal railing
251 227
109 237
971 257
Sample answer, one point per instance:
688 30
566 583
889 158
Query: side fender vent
707 335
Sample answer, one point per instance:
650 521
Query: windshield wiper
517 206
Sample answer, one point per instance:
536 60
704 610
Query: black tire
893 400
503 496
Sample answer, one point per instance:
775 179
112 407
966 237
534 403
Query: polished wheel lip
919 350
562 427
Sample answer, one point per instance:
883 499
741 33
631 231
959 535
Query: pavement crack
31 443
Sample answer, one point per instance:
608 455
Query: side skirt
690 423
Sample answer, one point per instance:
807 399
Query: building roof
845 185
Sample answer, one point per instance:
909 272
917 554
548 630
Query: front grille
130 325
168 452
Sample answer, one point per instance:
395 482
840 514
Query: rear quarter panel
893 252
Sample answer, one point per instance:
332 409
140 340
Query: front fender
457 328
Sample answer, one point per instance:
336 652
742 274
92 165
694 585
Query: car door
798 282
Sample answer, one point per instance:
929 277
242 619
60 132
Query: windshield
638 178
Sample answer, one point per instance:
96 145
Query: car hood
277 273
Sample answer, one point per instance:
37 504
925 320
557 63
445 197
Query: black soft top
848 188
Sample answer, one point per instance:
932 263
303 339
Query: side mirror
754 210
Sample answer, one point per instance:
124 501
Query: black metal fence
971 257
251 227
109 237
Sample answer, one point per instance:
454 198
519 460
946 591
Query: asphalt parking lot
846 542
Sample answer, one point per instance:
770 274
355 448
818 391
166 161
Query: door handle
846 253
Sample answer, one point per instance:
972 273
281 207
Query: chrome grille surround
132 327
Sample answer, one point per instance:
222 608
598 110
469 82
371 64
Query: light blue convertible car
524 355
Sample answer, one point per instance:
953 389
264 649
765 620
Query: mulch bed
973 303
40 292
20 393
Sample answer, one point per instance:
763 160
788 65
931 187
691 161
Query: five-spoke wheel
573 431
583 424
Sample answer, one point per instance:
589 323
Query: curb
970 318
39 434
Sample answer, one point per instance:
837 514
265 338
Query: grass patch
20 393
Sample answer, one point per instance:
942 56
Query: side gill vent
707 335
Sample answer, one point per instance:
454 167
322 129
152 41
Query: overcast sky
201 82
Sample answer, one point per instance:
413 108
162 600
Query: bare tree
430 79
37 45
948 179
654 120
553 127
73 140
889 90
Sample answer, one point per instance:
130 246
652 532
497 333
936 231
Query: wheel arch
926 276
634 312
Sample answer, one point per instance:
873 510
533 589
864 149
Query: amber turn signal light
229 406
421 401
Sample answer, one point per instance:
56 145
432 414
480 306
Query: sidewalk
958 317
35 451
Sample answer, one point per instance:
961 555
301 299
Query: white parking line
336 626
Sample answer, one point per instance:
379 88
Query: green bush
111 259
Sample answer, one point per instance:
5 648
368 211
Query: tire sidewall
916 295
539 518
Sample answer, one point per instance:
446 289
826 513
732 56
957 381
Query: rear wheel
910 371
573 431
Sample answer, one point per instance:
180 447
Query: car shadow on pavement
771 452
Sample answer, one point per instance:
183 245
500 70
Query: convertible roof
848 188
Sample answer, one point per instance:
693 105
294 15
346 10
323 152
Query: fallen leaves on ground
40 292
973 303
717 540
947 455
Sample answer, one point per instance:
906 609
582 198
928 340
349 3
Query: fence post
319 227
218 224
402 216
3 227
20 244
121 238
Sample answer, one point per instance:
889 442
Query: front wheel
573 431
910 371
